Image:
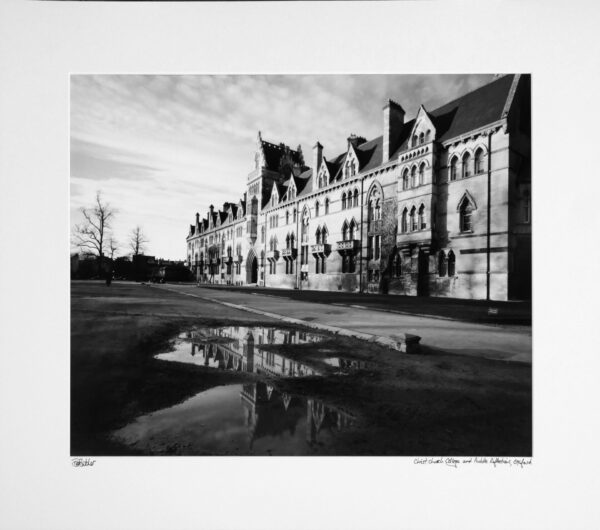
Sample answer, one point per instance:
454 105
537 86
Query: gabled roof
304 184
370 154
474 110
335 166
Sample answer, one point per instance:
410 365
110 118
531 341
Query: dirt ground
434 403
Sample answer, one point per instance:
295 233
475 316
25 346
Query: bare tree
92 234
137 241
113 246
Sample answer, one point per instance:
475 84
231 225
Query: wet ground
155 372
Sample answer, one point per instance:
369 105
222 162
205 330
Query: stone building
438 205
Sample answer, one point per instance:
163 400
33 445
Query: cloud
162 147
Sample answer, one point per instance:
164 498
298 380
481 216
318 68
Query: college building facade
439 205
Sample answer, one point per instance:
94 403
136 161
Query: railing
288 252
347 245
320 249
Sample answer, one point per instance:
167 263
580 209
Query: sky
162 147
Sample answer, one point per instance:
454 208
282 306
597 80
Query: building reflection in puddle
241 348
251 419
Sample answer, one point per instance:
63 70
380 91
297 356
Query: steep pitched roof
476 109
336 165
304 183
370 154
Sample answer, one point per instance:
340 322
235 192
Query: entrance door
252 270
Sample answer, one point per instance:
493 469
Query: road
498 342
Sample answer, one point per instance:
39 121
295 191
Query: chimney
393 119
317 157
197 219
355 141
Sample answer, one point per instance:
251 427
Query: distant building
439 205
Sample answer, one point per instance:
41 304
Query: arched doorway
251 268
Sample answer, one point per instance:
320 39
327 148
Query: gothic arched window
326 206
421 138
404 222
442 265
413 219
345 231
422 174
405 179
397 266
453 166
466 212
479 161
422 221
466 165
317 209
413 177
451 264
344 201
355 202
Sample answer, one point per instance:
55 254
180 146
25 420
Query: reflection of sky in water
239 419
241 348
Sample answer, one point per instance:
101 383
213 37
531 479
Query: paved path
511 343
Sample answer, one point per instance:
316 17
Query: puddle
251 419
241 348
348 364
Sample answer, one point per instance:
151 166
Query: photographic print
301 265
